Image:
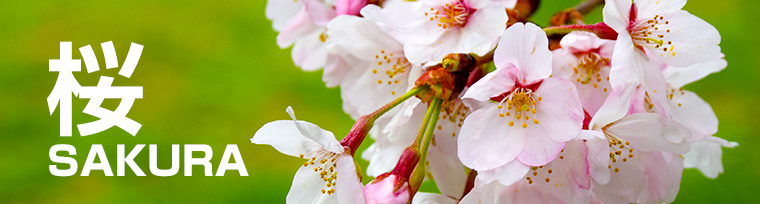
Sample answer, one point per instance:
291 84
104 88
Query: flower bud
349 7
384 191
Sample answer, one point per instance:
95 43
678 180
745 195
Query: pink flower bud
349 7
384 191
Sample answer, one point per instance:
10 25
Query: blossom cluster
493 108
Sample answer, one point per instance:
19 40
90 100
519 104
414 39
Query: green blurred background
212 74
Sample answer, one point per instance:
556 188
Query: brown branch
588 5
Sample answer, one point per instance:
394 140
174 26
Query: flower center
324 163
453 14
619 151
589 69
652 33
391 65
455 112
520 102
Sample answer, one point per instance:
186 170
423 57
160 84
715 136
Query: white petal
505 175
625 185
527 48
694 113
598 158
405 21
483 29
361 37
693 41
651 132
706 155
559 112
348 187
491 85
647 9
446 169
483 192
319 12
317 134
680 76
615 107
284 136
299 26
487 142
307 188
281 12
310 52
663 177
616 14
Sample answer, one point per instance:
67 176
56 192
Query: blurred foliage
212 74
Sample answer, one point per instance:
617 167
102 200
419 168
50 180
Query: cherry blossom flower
329 173
301 23
383 191
381 71
525 114
696 114
652 32
564 180
633 152
431 29
584 59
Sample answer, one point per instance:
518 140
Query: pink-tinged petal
616 14
486 141
680 76
526 47
539 150
625 184
694 113
405 21
483 29
433 53
663 172
310 52
361 38
432 198
564 180
284 136
349 7
651 132
628 64
339 65
615 107
309 130
348 187
491 85
307 188
319 12
446 168
505 175
706 155
374 88
282 12
581 41
382 192
299 26
382 158
483 192
559 113
693 41
647 9
598 157
654 83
